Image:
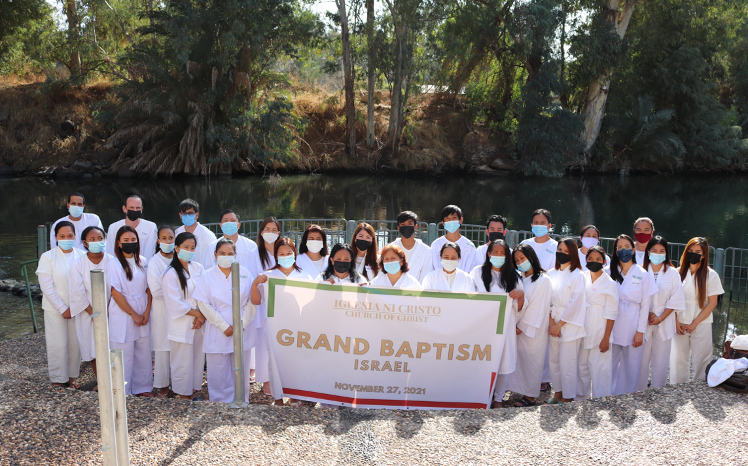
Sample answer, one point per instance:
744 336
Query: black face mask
494 235
362 244
133 215
594 266
693 258
562 258
407 231
129 248
342 266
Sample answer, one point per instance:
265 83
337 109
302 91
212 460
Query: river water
681 207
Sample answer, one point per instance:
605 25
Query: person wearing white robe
79 279
129 315
365 251
692 344
214 298
635 290
590 237
532 325
451 216
313 250
63 352
449 277
566 325
189 213
159 317
394 270
495 229
668 300
595 356
185 332
417 253
147 230
80 220
498 261
341 268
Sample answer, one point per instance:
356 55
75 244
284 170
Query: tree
370 136
350 103
14 15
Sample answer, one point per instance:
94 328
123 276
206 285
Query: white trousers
261 359
692 349
187 362
161 369
547 366
502 381
655 355
627 362
221 376
563 365
595 368
529 368
137 364
63 352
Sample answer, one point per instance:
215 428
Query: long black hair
176 264
121 257
509 276
652 243
158 233
529 252
615 274
330 270
261 250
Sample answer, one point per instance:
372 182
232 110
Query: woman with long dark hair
635 290
340 267
185 334
313 250
130 311
449 277
668 300
498 274
692 344
532 326
267 235
159 317
364 247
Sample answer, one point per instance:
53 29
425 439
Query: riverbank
682 424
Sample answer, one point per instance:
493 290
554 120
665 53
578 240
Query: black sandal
524 402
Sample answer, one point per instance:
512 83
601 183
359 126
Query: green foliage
28 42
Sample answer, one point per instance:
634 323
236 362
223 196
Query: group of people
591 322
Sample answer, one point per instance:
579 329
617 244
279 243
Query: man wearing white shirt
543 245
496 226
451 217
189 212
246 249
417 253
80 220
147 231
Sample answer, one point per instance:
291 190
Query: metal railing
25 275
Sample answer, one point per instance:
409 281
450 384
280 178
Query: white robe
568 302
306 264
602 305
405 281
634 301
693 308
420 262
546 252
245 254
85 221
345 281
583 260
364 270
159 318
467 253
56 265
205 237
80 298
178 302
122 327
669 295
437 280
147 236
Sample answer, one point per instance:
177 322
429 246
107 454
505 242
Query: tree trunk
370 136
75 56
564 98
619 15
393 133
350 104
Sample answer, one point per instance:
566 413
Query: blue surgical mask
186 255
392 267
66 244
286 261
75 211
524 266
497 261
96 247
166 248
625 254
539 230
229 228
452 226
188 219
657 259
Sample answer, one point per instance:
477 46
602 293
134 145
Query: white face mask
270 237
225 261
314 246
449 266
588 242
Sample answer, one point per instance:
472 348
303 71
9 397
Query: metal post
41 241
350 227
512 238
120 407
25 275
104 376
719 263
238 339
432 233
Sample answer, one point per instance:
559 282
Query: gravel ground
682 424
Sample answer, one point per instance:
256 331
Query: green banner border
273 282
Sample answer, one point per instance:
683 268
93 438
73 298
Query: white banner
384 347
